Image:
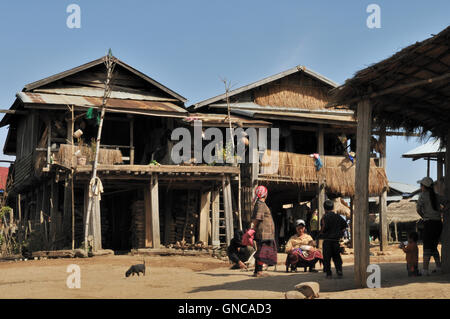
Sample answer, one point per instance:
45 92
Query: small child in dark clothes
412 254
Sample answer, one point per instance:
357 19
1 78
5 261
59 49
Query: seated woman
301 251
238 252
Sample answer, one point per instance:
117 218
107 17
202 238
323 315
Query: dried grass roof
409 90
337 171
403 211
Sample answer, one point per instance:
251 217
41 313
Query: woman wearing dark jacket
428 209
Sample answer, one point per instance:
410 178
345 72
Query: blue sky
189 45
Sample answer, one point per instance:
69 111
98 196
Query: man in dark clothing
332 230
237 252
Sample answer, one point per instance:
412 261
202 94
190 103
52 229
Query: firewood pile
138 224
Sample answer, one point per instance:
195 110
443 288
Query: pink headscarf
260 192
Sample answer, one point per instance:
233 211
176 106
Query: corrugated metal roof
222 120
432 148
53 78
59 99
318 116
94 92
403 188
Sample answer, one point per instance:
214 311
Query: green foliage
4 211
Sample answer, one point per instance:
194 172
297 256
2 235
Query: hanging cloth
95 188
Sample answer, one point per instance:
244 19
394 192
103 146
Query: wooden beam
205 207
383 226
361 225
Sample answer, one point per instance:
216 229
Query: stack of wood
138 224
188 246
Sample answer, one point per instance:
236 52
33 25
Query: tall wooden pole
383 226
110 63
361 231
321 183
445 237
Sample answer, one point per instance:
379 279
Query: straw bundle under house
338 172
105 156
298 92
403 211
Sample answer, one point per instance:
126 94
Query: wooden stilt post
445 237
205 207
226 185
428 167
321 184
361 225
154 199
132 141
215 218
383 198
53 211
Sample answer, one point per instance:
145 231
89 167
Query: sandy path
201 277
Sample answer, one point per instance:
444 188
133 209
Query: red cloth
3 177
261 191
297 253
248 237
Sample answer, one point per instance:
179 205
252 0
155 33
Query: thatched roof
341 207
337 171
409 90
403 211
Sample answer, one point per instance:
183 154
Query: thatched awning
337 171
105 156
403 211
408 90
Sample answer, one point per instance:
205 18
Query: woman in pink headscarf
264 233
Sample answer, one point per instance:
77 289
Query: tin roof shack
409 90
294 101
147 199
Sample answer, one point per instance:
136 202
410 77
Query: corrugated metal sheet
432 148
93 92
286 115
59 99
403 188
222 120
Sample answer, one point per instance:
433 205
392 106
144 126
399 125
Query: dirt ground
182 277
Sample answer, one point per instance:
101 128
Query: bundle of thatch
338 172
341 207
403 211
299 92
105 156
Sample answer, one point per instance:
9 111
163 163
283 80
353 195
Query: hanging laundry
351 156
317 161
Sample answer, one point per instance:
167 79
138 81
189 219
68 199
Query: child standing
412 254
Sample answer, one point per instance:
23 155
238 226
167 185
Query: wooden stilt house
147 199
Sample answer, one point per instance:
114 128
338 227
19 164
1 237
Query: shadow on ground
392 274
